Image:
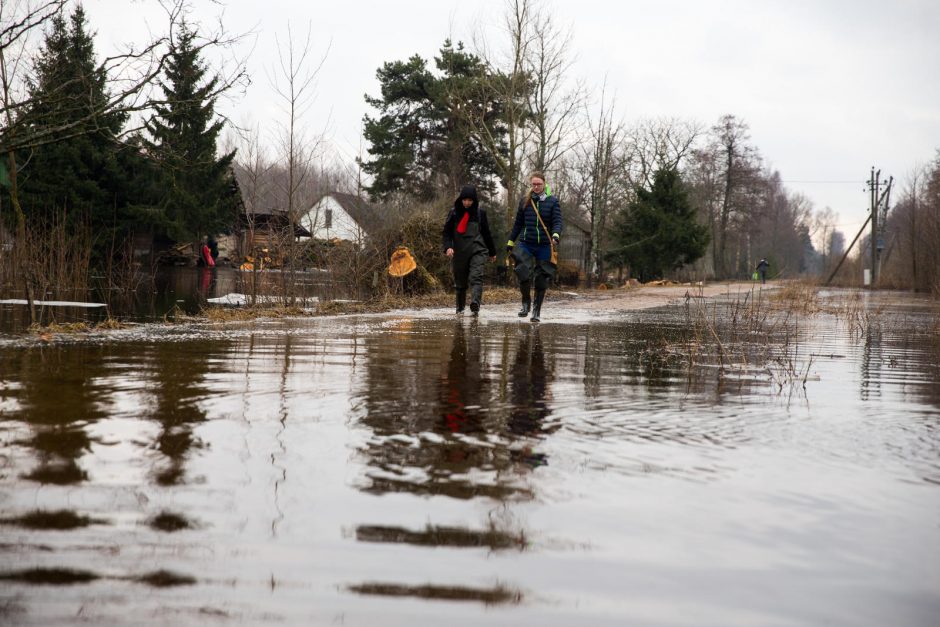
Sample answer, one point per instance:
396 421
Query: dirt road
646 297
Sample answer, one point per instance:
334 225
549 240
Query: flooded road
420 469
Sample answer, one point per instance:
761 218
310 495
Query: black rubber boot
461 300
526 299
537 308
476 298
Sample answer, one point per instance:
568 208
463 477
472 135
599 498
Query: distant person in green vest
534 234
468 242
762 268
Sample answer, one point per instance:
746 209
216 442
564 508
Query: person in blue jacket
530 243
468 243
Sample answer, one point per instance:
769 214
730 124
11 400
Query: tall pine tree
421 142
197 193
73 167
659 232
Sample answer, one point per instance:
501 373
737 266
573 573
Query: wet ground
606 467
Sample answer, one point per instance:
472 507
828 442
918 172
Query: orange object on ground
402 263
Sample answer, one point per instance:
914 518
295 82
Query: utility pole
878 219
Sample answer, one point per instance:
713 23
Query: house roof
366 215
577 220
271 218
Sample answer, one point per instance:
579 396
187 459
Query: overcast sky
829 88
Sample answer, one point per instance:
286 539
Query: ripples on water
417 469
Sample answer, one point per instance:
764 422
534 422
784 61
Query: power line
825 182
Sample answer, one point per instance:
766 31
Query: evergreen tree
421 143
658 232
75 169
197 190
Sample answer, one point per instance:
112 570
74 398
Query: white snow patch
51 303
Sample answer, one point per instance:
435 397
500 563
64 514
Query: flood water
420 469
170 290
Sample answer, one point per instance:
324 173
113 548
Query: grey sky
829 87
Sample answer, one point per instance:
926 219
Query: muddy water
416 469
168 291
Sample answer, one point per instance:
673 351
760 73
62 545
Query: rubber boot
461 300
476 297
526 299
537 308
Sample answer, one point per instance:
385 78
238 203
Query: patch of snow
239 300
51 303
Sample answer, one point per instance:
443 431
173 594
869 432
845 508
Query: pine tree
659 232
198 194
75 168
421 143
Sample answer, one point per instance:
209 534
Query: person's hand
450 252
555 240
509 249
493 258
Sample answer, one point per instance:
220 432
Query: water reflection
175 377
530 386
491 401
59 399
464 389
490 596
492 538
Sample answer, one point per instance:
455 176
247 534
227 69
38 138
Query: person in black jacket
468 242
762 268
536 229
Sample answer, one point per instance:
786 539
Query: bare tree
737 162
598 178
822 227
506 84
527 79
554 107
660 144
915 189
294 82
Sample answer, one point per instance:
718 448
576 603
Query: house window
328 219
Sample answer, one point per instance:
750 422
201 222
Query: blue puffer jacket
527 227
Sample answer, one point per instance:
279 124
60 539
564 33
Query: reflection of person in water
462 383
529 394
206 279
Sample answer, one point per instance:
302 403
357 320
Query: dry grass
73 328
797 297
110 324
60 328
750 336
243 314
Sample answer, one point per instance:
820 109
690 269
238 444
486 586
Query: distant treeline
131 144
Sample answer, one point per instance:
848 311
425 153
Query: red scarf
462 227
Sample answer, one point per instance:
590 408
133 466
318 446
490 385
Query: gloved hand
509 246
555 239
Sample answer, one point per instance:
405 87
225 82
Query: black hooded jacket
476 214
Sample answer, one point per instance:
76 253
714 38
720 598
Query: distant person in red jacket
205 254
